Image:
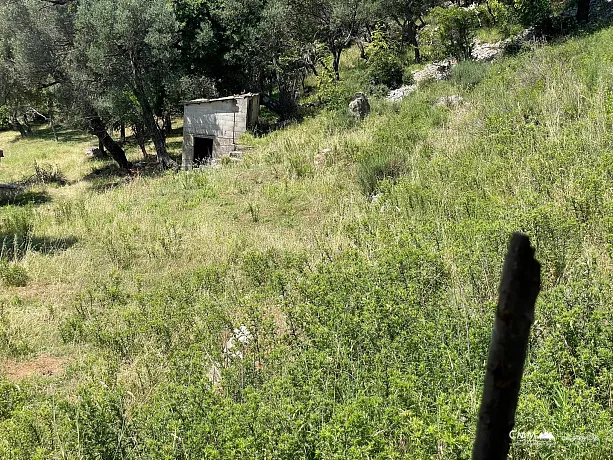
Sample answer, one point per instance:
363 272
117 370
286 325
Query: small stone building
211 127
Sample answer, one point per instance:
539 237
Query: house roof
227 98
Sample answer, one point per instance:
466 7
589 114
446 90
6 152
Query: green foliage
455 29
369 319
377 166
384 65
407 76
100 417
300 166
330 92
530 12
500 15
13 274
16 228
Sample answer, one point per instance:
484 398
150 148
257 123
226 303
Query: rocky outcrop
397 95
441 70
487 52
438 70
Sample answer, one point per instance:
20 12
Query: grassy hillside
366 276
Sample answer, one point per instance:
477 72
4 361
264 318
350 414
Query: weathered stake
519 288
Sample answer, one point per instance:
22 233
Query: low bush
530 12
385 68
454 29
16 227
469 73
13 274
374 167
329 92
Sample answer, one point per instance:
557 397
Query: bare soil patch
43 366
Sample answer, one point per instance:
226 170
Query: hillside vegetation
366 277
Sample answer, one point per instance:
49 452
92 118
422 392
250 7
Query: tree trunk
139 134
101 146
271 104
149 121
143 150
411 35
490 12
336 62
26 125
167 124
360 45
16 124
116 152
156 133
583 10
122 132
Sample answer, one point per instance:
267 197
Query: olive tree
129 46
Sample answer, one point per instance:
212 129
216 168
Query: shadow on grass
24 198
109 176
44 132
15 247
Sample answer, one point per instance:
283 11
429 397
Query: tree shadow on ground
15 247
44 132
110 176
107 177
24 198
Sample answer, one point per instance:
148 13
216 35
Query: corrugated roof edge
227 98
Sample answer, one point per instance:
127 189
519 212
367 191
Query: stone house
211 127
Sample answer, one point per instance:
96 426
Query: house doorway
203 150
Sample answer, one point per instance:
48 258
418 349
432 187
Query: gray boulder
359 107
93 152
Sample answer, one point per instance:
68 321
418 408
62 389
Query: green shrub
16 226
377 166
48 174
530 12
13 274
469 73
407 76
330 92
299 166
500 16
100 418
378 90
455 29
385 68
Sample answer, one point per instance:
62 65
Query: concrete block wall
221 120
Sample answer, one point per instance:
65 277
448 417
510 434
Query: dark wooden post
519 288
